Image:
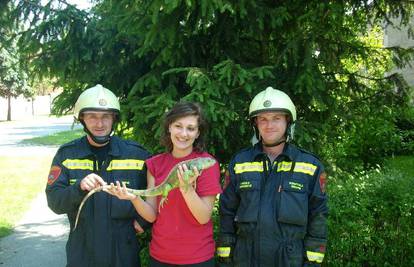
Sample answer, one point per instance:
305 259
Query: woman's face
183 132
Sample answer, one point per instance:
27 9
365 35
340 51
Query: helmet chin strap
274 144
101 140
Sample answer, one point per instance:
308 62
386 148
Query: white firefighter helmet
96 98
274 100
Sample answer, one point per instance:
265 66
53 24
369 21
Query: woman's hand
120 191
187 177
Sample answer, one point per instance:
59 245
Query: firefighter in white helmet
273 211
90 104
105 233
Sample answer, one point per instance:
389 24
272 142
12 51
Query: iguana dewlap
170 182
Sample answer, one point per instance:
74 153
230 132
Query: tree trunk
9 108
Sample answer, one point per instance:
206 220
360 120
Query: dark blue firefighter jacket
274 214
105 235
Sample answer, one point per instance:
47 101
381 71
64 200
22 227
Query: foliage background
371 217
353 109
13 75
328 56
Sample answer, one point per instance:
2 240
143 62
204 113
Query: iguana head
202 163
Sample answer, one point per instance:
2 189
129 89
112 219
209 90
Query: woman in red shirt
182 233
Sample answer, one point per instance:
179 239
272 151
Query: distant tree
327 55
13 75
13 79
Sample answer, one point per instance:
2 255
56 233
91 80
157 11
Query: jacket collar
114 146
85 151
289 152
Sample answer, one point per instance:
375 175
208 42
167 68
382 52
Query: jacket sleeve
317 230
229 203
61 196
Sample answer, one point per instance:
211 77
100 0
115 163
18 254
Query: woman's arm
149 206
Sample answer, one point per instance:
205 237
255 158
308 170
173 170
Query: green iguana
170 182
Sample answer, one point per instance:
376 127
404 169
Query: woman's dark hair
179 110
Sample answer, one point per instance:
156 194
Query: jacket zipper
265 176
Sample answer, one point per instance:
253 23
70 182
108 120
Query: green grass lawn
55 139
21 180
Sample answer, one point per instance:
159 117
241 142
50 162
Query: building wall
398 36
22 108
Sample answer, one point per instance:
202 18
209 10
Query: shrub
371 220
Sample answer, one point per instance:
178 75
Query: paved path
11 133
39 239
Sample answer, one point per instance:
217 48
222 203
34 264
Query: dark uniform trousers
105 235
274 214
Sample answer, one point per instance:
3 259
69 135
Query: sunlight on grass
59 138
21 180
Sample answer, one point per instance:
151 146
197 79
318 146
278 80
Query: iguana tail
93 191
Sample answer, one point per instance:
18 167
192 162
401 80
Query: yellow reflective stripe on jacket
304 167
125 164
223 251
315 256
248 167
284 166
78 164
72 181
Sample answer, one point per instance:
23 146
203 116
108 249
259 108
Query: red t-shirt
177 237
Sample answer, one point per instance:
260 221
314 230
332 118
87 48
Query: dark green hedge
371 220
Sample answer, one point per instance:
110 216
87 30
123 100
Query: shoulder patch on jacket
53 174
322 182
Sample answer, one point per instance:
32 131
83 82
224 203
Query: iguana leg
162 201
164 194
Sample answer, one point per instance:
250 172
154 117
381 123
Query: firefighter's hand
91 181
